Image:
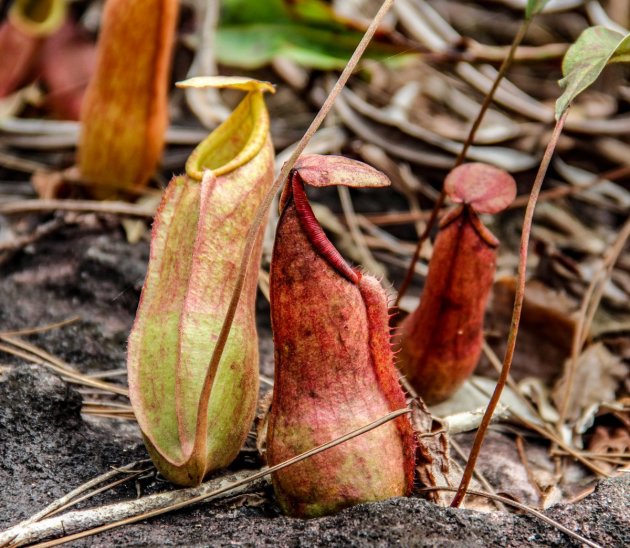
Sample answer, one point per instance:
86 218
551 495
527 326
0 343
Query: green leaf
252 33
534 7
586 59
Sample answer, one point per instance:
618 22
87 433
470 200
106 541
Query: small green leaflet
534 7
252 33
586 59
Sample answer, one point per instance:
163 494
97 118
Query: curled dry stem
261 213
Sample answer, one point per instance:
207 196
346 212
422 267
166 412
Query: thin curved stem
261 214
516 314
462 156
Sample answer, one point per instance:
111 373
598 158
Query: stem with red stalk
516 314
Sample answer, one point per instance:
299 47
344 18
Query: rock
46 449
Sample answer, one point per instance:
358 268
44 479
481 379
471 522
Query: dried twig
480 477
73 496
80 206
10 248
71 522
33 354
41 328
590 303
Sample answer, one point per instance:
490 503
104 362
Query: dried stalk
516 314
79 206
590 303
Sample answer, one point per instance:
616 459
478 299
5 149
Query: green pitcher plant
195 420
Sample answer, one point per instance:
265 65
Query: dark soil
47 448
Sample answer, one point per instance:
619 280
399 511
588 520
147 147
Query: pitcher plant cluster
335 367
334 360
337 360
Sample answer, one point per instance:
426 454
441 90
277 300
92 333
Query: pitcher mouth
38 17
466 210
235 142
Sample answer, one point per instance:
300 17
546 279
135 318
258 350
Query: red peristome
441 340
334 373
483 187
315 233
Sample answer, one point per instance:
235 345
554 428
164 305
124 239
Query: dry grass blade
79 206
130 475
43 230
555 439
159 504
33 354
73 496
542 430
590 303
20 164
41 328
524 508
496 363
106 411
480 477
85 519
